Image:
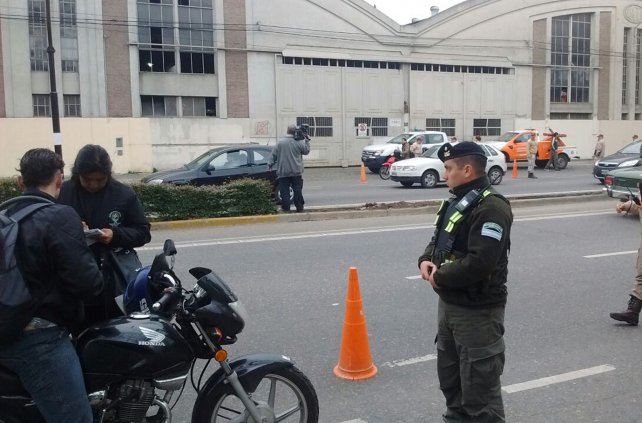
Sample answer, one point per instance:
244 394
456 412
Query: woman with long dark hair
114 208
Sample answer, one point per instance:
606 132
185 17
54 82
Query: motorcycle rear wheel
285 395
384 172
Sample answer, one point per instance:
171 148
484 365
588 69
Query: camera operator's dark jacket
477 275
54 260
288 156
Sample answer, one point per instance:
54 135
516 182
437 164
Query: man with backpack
44 277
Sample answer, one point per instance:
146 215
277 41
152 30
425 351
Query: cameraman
288 158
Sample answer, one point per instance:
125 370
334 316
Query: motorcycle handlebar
167 297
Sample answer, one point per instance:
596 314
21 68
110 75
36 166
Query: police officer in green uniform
466 264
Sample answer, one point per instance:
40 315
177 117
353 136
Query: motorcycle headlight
628 163
155 181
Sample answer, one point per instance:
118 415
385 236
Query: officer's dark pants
552 162
470 360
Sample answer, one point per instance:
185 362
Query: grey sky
403 11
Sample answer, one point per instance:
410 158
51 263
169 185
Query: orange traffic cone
363 173
514 169
355 361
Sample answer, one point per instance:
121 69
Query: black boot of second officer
632 314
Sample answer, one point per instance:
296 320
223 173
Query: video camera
301 132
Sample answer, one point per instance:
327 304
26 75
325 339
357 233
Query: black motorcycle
133 365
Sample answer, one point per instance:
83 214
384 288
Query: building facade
157 82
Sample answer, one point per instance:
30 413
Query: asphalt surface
292 278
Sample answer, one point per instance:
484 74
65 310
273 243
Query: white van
373 156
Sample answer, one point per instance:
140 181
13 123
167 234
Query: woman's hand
106 237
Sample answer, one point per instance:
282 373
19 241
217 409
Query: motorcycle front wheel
285 395
384 172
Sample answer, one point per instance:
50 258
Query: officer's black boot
531 175
632 314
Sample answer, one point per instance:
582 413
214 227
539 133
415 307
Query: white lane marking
413 277
619 253
227 241
287 237
564 377
355 421
415 360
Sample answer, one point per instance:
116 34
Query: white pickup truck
373 156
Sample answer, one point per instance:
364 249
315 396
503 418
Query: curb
358 211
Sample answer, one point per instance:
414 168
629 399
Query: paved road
341 186
573 363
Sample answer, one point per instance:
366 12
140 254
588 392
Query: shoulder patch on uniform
492 230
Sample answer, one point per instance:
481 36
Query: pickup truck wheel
495 174
406 184
541 163
562 161
429 179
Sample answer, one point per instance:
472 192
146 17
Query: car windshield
397 139
200 160
431 152
633 148
506 136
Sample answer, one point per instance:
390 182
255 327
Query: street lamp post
55 116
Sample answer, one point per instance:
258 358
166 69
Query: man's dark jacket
55 261
477 276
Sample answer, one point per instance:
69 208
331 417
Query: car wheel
562 161
429 179
406 184
495 174
277 194
541 163
373 169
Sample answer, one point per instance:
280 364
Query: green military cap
466 148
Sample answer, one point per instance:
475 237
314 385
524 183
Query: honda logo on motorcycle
153 338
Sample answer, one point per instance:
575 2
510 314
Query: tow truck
514 145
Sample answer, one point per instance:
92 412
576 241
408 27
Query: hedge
243 197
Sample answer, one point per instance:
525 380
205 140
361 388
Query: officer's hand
428 269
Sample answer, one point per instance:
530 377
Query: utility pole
55 116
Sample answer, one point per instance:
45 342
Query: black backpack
17 307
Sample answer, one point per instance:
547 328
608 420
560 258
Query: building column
238 103
539 84
117 64
603 94
631 66
3 112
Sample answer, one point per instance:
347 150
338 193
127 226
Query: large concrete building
159 81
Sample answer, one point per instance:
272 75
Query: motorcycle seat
10 383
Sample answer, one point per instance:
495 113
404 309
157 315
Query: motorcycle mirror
199 272
169 248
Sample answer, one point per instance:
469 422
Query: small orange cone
363 173
355 361
514 169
